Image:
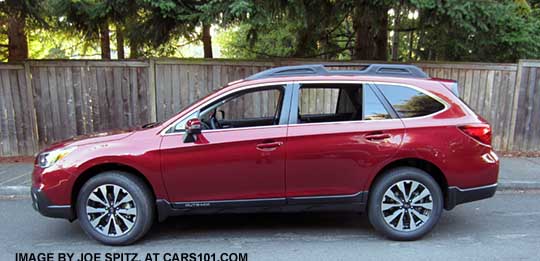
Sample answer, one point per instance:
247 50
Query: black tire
142 198
378 190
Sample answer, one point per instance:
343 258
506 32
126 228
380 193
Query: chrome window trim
428 93
338 122
244 128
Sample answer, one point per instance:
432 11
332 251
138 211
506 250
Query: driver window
260 107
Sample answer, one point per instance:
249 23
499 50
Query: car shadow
261 225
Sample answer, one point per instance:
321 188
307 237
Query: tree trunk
134 51
410 45
395 36
105 41
306 37
17 42
120 42
207 40
370 23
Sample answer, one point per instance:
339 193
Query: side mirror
193 128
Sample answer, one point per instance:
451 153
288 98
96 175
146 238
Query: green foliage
295 28
454 30
459 30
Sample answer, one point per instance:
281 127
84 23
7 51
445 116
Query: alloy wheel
407 205
111 210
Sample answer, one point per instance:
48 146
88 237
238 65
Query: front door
239 156
342 135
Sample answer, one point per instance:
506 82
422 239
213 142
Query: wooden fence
46 101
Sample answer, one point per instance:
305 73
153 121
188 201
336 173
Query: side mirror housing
193 128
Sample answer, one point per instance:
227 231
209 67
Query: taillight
479 132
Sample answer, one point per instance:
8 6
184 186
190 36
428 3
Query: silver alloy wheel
407 205
111 210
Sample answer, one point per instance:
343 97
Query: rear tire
115 208
401 195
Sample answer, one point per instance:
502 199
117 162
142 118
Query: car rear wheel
405 203
115 208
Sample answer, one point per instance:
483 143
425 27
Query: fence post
152 89
511 139
31 107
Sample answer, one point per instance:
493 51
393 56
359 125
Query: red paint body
316 159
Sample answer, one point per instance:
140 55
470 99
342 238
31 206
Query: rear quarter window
409 102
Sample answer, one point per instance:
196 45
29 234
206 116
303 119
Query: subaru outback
387 140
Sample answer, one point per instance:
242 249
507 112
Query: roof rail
392 70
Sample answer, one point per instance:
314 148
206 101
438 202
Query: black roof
392 70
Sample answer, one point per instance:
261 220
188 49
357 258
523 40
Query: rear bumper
456 195
41 203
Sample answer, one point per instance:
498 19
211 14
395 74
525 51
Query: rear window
409 102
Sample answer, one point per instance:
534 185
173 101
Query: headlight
47 159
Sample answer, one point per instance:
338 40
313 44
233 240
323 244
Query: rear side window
373 108
339 102
409 102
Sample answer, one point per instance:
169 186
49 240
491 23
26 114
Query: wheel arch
433 170
100 168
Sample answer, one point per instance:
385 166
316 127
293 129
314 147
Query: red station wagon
387 139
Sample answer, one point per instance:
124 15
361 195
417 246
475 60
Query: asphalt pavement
501 228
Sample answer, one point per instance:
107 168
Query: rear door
339 136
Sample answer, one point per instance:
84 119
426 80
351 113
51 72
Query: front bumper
41 203
456 195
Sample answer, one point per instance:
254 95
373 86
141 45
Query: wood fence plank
47 112
509 111
534 135
481 92
488 106
175 91
117 97
4 118
26 110
94 99
529 108
521 117
54 105
86 87
18 116
147 102
134 97
62 102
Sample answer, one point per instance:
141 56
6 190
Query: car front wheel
115 208
405 203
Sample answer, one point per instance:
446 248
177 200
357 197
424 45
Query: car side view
387 140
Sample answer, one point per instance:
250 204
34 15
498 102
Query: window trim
428 93
284 113
290 103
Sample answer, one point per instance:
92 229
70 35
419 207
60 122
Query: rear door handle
378 136
269 146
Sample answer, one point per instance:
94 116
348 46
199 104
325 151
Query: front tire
405 204
115 208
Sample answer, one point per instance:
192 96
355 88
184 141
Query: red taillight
479 132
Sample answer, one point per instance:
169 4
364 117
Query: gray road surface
505 227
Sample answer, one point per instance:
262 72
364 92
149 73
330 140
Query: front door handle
378 136
269 146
